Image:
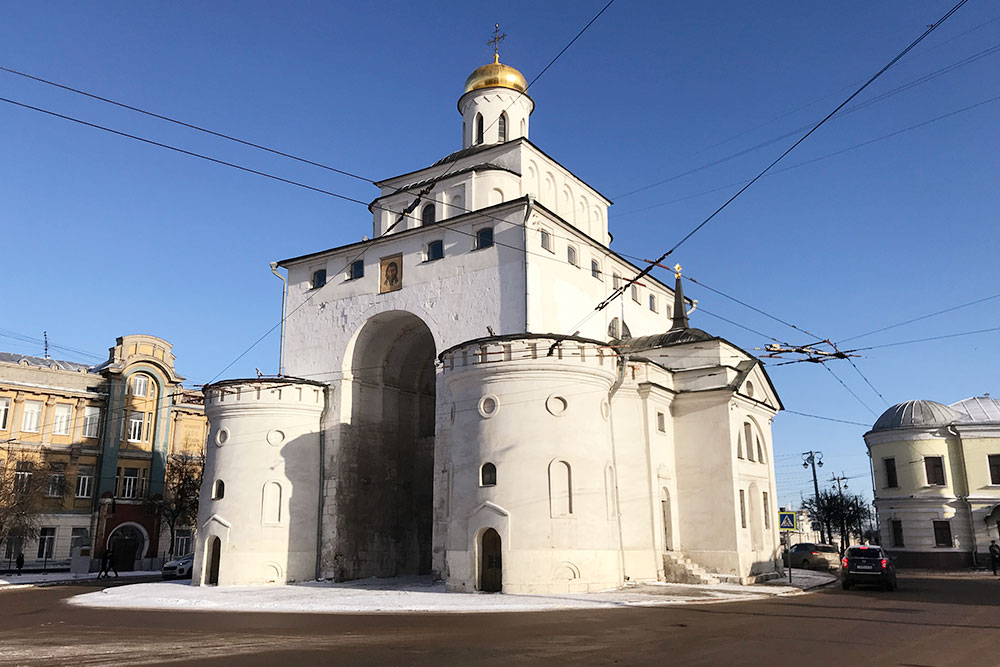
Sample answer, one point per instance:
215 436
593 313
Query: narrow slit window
502 127
571 255
595 269
479 128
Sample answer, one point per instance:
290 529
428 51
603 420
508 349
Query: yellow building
102 436
936 470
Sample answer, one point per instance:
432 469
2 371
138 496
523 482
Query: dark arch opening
490 562
220 490
488 475
427 215
385 467
479 128
214 556
502 126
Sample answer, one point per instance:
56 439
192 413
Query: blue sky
104 236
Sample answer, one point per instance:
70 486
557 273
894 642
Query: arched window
560 489
219 491
613 329
595 269
748 439
488 475
502 127
571 255
427 215
479 128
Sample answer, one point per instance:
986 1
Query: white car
178 569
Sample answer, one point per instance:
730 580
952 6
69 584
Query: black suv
867 565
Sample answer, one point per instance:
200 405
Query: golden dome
496 74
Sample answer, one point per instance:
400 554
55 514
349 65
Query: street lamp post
813 458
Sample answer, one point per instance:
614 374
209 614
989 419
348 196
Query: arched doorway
214 555
490 562
127 544
385 464
668 532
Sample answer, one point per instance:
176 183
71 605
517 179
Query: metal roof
41 362
916 413
978 409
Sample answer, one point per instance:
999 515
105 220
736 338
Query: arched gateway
385 455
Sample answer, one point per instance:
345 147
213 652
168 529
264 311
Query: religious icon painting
390 274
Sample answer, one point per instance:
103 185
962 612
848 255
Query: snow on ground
10 580
406 594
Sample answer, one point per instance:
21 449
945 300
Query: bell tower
495 105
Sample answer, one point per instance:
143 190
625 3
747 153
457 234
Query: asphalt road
930 620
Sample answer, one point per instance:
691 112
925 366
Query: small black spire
680 319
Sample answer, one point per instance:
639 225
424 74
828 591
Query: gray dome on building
978 409
916 414
672 337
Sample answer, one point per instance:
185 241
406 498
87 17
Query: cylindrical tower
533 499
257 519
494 106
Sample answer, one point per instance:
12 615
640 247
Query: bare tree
178 506
26 482
848 512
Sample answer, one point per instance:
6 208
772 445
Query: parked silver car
811 556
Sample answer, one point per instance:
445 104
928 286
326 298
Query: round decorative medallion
275 437
556 405
488 405
605 410
222 437
749 389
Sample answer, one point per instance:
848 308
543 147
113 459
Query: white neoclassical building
936 470
467 412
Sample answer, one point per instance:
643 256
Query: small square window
435 250
942 534
318 278
994 461
934 467
547 240
357 270
484 238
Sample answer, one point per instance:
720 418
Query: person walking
107 564
994 555
20 563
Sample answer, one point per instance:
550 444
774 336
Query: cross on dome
498 37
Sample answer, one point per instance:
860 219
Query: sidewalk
38 578
420 594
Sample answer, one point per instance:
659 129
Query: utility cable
922 317
760 175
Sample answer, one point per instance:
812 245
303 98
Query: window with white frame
84 481
46 541
357 270
994 463
135 422
91 419
62 418
652 303
56 485
32 419
635 292
4 413
595 269
546 240
130 482
571 255
22 476
182 542
140 385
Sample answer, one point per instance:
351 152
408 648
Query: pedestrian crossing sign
788 522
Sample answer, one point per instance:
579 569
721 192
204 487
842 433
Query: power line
851 391
817 159
829 419
922 317
857 107
924 340
24 338
704 222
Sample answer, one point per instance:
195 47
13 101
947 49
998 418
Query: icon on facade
390 274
